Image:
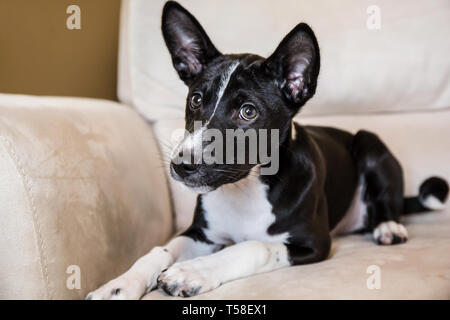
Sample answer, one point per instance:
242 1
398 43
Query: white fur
142 276
194 141
240 211
432 203
385 232
355 217
223 85
241 260
192 145
235 213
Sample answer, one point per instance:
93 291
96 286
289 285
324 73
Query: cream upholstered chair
83 181
82 190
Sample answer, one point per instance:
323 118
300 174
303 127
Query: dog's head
235 91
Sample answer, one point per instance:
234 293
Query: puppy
327 181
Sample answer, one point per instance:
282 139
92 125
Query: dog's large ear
188 43
295 65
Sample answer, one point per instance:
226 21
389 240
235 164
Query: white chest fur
239 212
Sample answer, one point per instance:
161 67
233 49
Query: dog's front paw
390 232
121 288
186 279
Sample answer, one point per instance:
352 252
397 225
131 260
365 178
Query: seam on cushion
37 226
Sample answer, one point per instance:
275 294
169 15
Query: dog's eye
196 101
248 112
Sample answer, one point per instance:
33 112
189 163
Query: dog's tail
432 195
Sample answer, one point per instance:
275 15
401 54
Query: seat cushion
82 188
417 269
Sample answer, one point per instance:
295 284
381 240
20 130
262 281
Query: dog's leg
383 178
142 276
203 274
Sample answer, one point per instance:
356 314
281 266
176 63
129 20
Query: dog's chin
191 185
199 189
207 183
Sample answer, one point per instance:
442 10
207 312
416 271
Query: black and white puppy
328 182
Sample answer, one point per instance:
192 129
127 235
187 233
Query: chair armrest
82 185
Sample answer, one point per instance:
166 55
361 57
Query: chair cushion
417 269
82 186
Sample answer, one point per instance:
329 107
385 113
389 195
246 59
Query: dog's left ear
295 65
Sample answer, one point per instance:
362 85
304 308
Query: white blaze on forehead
192 144
194 141
223 85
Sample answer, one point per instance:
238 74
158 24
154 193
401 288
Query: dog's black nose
184 169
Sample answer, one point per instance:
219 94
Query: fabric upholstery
83 180
401 66
417 269
81 184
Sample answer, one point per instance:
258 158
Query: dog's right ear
188 43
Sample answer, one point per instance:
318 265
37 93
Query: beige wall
39 55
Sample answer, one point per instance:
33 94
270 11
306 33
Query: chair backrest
385 58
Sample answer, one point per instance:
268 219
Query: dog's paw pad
389 233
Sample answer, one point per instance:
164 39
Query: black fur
195 231
189 57
320 169
433 186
